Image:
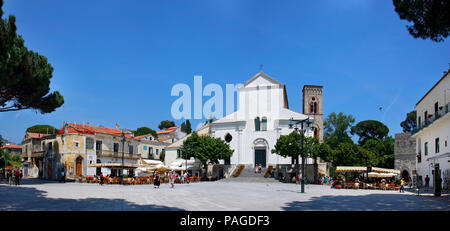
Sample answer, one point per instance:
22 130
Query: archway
405 175
260 147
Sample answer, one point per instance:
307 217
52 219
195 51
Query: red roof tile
89 129
12 146
37 135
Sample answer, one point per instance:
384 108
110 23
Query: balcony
112 154
443 110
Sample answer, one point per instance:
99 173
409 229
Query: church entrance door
260 157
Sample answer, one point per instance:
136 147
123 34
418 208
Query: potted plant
80 178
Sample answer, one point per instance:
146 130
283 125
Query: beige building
149 147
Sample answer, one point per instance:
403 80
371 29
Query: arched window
264 123
228 138
257 124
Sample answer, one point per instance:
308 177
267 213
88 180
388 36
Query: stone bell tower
313 107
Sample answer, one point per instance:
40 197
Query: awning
350 169
376 174
113 165
364 169
385 170
151 162
439 156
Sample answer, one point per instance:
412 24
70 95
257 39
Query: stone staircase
248 175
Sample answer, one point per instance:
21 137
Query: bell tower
313 107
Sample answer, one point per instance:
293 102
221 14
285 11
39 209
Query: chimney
117 126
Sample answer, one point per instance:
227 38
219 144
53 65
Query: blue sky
116 61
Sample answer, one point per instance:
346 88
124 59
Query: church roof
272 80
264 75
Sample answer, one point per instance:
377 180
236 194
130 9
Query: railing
109 153
37 154
443 110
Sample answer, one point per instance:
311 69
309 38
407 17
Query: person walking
157 180
172 178
101 179
402 185
427 183
63 176
10 177
185 177
16 177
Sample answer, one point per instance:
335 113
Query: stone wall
405 153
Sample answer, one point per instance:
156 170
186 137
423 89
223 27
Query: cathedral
263 115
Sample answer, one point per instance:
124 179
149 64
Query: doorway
260 157
79 166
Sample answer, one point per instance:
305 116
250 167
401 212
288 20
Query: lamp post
122 133
293 122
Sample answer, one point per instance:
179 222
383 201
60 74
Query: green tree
288 146
322 151
383 150
6 159
409 124
43 129
24 75
166 124
144 131
183 127
188 129
369 129
350 154
207 149
336 129
430 18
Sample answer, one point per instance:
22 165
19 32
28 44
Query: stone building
405 155
33 153
313 107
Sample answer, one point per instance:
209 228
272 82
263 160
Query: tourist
427 183
171 178
17 176
402 185
156 182
185 177
101 179
63 176
383 184
326 180
10 177
256 168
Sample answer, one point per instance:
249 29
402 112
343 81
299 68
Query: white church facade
263 115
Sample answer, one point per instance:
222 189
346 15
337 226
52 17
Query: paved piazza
215 196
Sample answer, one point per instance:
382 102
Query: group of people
14 176
182 178
326 180
258 168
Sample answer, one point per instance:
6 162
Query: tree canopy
207 149
166 124
43 129
144 131
24 75
186 127
336 129
430 18
369 129
288 146
410 123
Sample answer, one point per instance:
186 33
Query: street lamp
293 123
123 153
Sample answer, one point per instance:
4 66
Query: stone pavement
211 196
